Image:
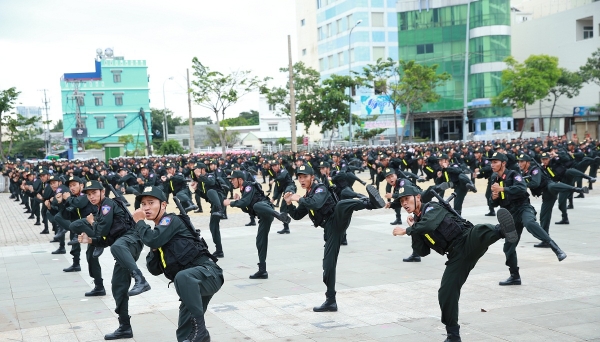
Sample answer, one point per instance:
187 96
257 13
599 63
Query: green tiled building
437 35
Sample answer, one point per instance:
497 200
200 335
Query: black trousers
264 210
461 261
82 226
524 217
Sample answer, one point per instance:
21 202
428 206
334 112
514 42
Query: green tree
569 84
525 83
234 122
92 145
15 124
126 140
206 119
415 86
369 134
217 92
307 82
170 147
31 148
58 127
158 120
283 141
214 138
591 69
252 117
8 98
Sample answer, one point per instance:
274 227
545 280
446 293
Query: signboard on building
377 105
385 123
305 141
583 111
79 133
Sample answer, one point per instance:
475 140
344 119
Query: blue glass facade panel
392 20
378 36
393 37
377 3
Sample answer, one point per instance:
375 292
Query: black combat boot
60 233
375 198
506 226
98 289
542 245
199 210
344 241
283 217
73 268
199 332
191 208
412 258
564 220
285 230
60 250
218 254
514 279
262 272
141 285
329 304
559 253
97 251
397 221
471 187
219 212
73 242
252 222
123 331
584 190
453 334
491 213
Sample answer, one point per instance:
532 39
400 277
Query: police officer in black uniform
255 203
509 191
112 227
283 183
437 227
182 255
323 211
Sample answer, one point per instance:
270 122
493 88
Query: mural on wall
377 105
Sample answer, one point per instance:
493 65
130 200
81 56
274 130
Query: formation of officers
74 197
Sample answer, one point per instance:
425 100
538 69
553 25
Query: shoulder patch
518 178
106 209
165 221
318 190
59 190
428 209
535 172
210 175
402 182
248 188
151 175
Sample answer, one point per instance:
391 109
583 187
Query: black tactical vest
543 185
450 229
320 216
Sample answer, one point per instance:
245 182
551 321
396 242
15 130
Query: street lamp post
165 125
350 75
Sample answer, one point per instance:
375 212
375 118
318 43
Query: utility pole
191 121
466 79
47 132
292 97
78 123
143 115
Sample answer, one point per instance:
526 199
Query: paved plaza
380 298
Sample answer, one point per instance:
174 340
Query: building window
272 127
378 52
328 31
321 64
508 125
338 24
80 100
319 4
271 107
120 122
98 100
497 125
377 19
100 123
185 142
117 78
330 61
340 58
118 100
483 126
302 22
320 33
588 32
349 23
424 48
303 52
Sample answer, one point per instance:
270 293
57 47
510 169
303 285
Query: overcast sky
40 40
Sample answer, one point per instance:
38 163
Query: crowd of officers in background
554 169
